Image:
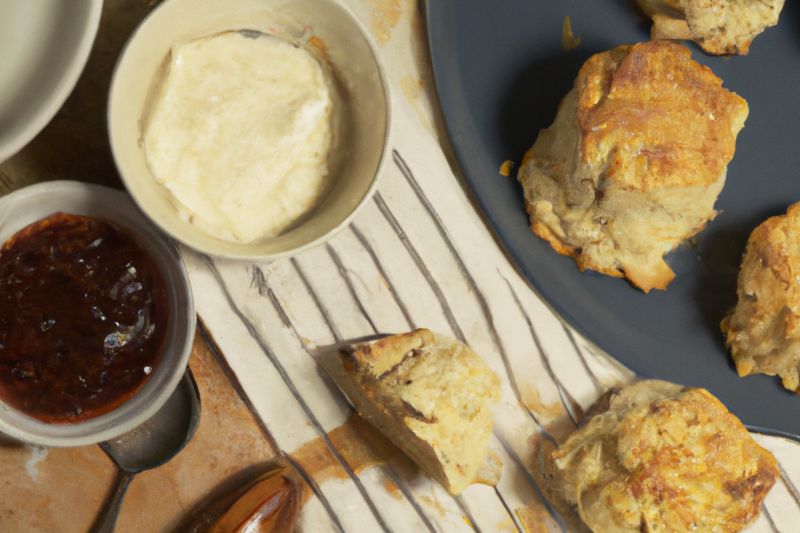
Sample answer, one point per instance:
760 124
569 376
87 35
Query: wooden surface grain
62 490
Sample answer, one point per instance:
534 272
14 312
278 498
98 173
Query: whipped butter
240 133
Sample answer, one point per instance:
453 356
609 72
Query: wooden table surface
417 255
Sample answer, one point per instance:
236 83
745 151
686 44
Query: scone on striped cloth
656 456
634 161
720 27
431 396
763 330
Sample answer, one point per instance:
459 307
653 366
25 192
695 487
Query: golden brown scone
661 458
763 330
634 161
718 26
432 396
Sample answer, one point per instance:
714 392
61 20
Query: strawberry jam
83 317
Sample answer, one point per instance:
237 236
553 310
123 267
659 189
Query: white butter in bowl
249 129
241 133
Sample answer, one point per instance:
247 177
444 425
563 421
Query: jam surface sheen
83 317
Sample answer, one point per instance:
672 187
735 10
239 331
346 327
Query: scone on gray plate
432 396
720 27
660 457
763 330
634 161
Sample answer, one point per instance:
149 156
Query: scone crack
418 415
409 355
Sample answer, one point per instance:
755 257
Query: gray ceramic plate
500 73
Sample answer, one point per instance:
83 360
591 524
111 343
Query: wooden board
63 489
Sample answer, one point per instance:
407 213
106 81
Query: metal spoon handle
108 517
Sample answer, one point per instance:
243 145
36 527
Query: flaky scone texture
432 396
763 330
634 161
720 27
661 458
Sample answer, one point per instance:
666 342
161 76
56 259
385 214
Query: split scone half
660 457
432 396
763 330
720 27
634 161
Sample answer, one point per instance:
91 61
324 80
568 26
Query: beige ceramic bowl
354 63
35 202
45 44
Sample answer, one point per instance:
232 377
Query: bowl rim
158 397
60 91
255 256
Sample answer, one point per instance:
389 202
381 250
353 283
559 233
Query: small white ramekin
354 62
25 206
51 41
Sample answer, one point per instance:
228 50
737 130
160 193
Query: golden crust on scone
661 457
656 118
430 395
633 162
763 330
719 26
